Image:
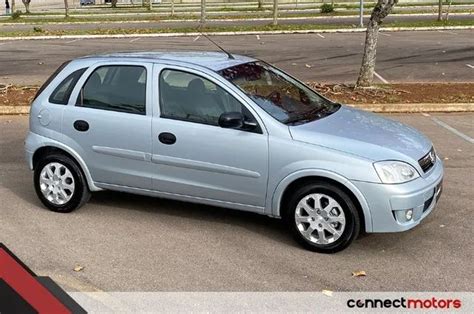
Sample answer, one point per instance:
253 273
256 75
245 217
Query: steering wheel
275 97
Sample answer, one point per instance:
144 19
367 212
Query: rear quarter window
63 91
51 78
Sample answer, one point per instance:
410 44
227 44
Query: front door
195 157
109 124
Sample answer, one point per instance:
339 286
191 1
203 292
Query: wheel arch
299 178
60 149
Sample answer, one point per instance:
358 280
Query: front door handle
81 125
167 138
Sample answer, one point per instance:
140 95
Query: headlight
392 171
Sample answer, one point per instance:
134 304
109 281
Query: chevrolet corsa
229 131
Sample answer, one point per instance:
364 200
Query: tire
63 188
336 215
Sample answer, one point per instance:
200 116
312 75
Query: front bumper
388 203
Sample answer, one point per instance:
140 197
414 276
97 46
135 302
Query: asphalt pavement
419 56
135 243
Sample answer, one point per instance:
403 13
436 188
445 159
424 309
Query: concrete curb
191 34
421 107
387 108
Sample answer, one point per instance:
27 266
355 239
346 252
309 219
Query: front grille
427 162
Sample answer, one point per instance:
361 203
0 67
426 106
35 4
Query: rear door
109 123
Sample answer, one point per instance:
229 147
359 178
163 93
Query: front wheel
60 184
322 217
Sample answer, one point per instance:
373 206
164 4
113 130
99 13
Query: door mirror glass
231 120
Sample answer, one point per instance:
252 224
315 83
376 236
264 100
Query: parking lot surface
418 56
135 243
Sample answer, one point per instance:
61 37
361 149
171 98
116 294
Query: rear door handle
81 125
167 138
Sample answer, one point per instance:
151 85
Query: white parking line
135 39
381 78
453 130
320 35
471 66
447 32
72 41
385 34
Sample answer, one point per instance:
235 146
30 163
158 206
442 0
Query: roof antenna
229 55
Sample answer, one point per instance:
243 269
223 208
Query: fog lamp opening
409 214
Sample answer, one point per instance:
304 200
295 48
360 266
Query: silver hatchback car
229 131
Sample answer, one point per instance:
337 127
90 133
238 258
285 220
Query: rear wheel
60 184
322 217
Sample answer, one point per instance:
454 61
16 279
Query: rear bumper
388 203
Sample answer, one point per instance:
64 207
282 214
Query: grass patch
160 17
292 27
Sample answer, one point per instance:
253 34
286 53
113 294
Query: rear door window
119 88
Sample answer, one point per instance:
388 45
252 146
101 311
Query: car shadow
274 229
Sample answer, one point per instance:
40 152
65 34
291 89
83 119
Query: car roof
215 61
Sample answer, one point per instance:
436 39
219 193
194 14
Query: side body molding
277 194
204 166
123 153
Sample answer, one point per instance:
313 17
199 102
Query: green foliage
16 15
37 29
327 8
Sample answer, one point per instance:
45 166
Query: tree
447 11
27 5
172 7
380 11
275 12
150 5
66 8
113 3
13 6
203 11
260 4
440 10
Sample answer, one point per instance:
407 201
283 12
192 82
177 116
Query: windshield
283 97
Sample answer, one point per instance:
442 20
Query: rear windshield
45 84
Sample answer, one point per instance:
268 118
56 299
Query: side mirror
231 120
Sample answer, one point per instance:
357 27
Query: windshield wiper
307 115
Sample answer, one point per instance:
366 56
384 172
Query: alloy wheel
320 218
56 183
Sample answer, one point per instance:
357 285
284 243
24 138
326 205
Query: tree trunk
66 9
150 5
27 5
440 10
13 6
203 11
114 3
275 12
366 74
381 10
172 7
447 11
260 4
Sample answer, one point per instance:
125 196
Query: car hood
364 134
